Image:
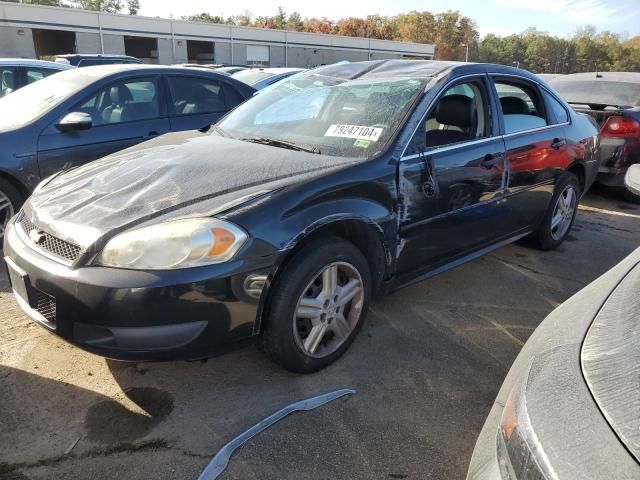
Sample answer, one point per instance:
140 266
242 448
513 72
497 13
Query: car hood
174 173
611 361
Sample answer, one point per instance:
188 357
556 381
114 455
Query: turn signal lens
223 241
172 245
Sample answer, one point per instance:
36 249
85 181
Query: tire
10 202
548 237
326 329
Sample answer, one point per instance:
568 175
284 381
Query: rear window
598 92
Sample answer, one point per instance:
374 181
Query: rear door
197 102
124 112
451 180
537 149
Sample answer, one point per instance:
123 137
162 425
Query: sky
502 17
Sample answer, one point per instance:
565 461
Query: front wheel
561 213
317 305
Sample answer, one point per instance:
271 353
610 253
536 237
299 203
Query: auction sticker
355 131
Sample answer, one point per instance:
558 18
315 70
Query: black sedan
283 220
570 405
80 115
613 100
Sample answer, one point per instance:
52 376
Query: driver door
124 113
451 181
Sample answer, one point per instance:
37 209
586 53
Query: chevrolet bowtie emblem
37 236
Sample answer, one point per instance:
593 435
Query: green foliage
586 51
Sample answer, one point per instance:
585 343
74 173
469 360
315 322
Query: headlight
176 244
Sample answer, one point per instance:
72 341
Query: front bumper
136 315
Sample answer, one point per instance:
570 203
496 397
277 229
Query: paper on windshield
354 131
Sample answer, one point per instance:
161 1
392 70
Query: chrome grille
51 244
45 305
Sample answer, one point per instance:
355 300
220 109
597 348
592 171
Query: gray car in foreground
570 405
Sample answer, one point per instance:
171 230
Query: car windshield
36 99
251 77
598 92
332 116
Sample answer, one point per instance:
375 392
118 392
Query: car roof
419 69
623 77
29 62
278 70
94 55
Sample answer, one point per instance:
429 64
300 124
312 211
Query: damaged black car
282 221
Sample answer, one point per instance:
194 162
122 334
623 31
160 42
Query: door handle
558 143
488 161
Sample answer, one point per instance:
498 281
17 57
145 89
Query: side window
126 101
194 95
522 106
559 111
35 74
7 80
460 115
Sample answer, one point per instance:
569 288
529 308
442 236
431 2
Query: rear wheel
317 305
561 213
10 202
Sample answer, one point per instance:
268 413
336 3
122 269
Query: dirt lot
426 368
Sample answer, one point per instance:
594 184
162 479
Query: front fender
380 219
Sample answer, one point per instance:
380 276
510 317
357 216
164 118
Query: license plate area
18 280
36 304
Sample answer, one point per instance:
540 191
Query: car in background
280 223
231 69
15 73
613 100
92 60
260 78
80 115
569 406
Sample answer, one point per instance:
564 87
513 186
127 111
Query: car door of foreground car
197 102
537 150
451 180
124 113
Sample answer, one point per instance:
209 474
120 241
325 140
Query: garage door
258 55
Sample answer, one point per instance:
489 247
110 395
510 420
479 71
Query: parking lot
426 368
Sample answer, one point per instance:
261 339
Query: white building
31 31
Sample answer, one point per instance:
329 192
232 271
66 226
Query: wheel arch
16 183
364 233
580 171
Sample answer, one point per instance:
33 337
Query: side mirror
632 179
75 121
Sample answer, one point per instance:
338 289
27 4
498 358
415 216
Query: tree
108 6
204 17
317 25
294 22
133 6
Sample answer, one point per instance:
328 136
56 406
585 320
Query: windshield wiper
282 144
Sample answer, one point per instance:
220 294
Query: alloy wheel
328 310
6 212
563 212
